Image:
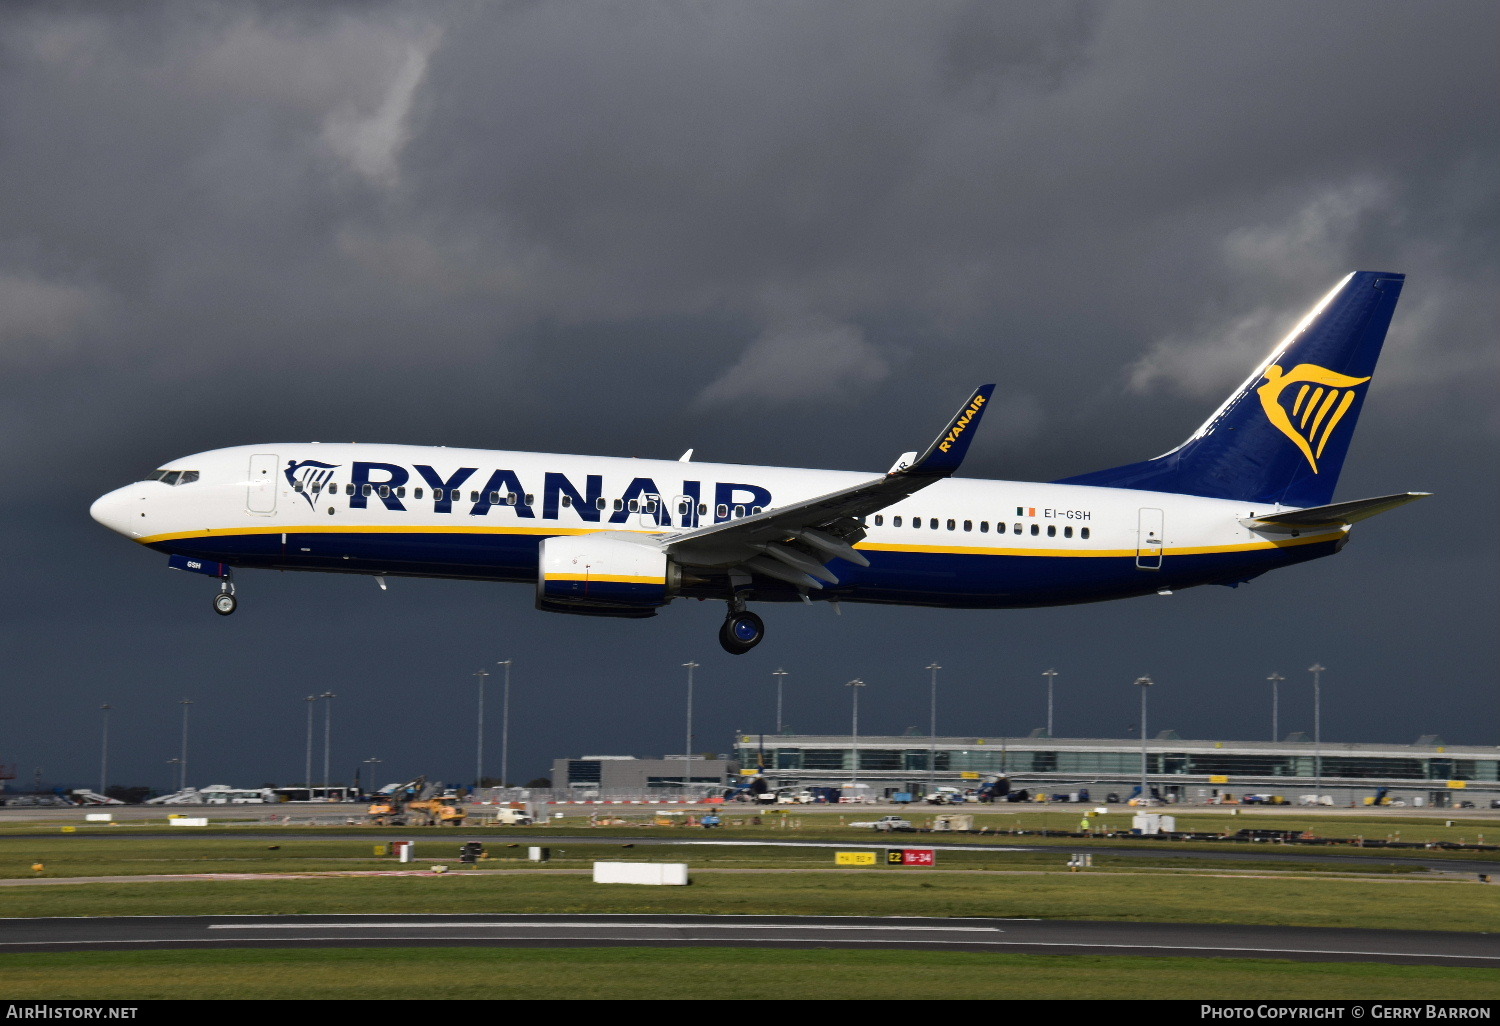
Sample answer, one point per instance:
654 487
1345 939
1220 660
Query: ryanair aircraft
1251 490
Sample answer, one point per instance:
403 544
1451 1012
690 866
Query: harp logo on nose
308 477
1309 413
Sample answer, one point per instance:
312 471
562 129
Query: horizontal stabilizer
1340 514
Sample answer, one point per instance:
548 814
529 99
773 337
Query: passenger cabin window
984 527
932 523
473 496
417 493
916 521
635 506
895 521
968 525
494 498
619 504
952 525
739 511
1067 532
1035 530
1051 530
437 495
722 512
1017 528
1083 532
567 500
385 491
365 490
600 503
879 520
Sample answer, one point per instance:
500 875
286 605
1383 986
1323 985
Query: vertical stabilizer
1282 436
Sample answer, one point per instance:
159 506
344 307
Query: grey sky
789 234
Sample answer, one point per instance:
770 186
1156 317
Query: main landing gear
741 632
742 629
225 602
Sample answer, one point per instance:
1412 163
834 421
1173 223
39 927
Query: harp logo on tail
1308 413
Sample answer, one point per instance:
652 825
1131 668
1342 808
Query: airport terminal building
1427 772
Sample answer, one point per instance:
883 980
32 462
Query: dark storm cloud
778 233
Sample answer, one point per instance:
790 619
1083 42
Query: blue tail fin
1282 436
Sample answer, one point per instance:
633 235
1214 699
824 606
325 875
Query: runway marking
1188 951
596 926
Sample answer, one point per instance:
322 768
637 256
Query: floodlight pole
1049 674
327 737
854 686
780 676
687 755
312 701
1316 669
104 751
932 728
1275 679
1144 682
483 676
187 704
505 725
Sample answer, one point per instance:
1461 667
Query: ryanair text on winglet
962 422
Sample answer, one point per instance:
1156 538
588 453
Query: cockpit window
173 477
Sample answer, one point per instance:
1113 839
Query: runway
1015 936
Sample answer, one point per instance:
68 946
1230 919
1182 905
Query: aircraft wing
1340 514
792 543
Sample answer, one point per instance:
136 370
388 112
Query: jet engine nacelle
605 574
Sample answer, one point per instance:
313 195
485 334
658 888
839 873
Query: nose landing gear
225 602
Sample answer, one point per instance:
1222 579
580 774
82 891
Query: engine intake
605 574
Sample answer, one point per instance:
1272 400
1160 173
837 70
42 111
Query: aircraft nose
115 509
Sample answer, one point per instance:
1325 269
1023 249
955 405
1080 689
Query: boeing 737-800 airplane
1251 490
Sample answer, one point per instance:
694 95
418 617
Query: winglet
947 451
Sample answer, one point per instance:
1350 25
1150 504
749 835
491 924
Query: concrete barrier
641 872
188 821
98 817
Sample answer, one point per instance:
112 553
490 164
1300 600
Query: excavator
417 803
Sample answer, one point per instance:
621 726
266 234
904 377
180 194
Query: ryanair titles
467 490
961 423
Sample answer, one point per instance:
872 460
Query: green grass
1295 901
74 855
709 973
1024 884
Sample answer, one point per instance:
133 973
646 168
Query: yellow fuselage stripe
964 550
612 579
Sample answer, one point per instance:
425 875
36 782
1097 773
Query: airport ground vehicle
417 803
512 817
886 823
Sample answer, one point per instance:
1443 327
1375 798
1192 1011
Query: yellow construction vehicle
417 803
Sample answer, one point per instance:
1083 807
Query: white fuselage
481 514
